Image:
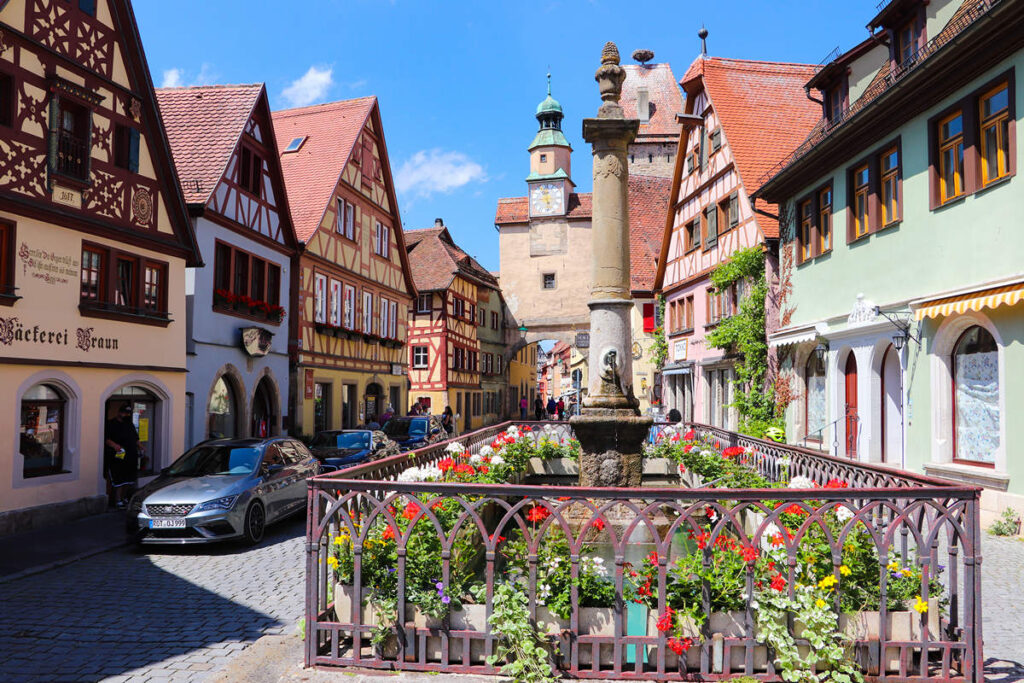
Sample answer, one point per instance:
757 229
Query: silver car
223 489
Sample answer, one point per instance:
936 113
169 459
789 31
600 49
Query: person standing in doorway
523 405
538 409
121 454
552 408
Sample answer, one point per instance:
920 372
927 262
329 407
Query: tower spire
549 84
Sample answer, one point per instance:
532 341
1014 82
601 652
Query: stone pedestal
610 428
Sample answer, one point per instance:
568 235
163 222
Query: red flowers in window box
795 509
836 484
445 464
732 451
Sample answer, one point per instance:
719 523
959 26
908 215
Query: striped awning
791 337
974 301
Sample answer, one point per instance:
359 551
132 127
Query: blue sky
458 82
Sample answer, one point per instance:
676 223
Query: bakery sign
14 333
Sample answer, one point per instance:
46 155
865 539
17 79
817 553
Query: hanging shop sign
582 340
256 340
679 349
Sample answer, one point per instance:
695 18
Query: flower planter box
660 467
559 467
901 626
724 624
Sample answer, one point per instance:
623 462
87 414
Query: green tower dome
549 114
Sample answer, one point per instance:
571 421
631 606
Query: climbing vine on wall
659 352
744 334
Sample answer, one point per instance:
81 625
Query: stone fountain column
610 428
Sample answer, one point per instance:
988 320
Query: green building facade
901 317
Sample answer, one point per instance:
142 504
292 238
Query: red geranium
667 620
563 498
749 553
689 436
687 449
836 484
732 451
795 509
778 583
682 469
538 513
598 524
410 510
500 538
679 646
445 464
675 437
388 534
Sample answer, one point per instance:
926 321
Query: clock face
546 200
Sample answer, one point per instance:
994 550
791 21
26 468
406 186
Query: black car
415 431
341 448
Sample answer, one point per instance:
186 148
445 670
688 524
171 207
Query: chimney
438 222
643 105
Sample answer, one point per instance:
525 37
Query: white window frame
393 332
368 312
335 303
420 361
382 240
420 299
349 311
339 218
350 221
319 298
385 315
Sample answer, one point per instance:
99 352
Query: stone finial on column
609 77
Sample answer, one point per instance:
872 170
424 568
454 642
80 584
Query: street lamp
899 340
820 350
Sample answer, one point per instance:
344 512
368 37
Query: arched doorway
144 417
373 403
851 415
891 405
223 411
264 409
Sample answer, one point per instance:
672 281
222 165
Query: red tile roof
648 204
763 110
204 124
666 100
312 173
435 260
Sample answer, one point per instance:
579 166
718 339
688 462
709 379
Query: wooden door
852 420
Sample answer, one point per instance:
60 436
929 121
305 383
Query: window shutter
648 318
734 209
689 163
716 140
133 150
711 217
703 153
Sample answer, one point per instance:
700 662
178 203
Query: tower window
543 158
549 281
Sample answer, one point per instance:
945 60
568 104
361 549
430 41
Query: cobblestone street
153 615
181 614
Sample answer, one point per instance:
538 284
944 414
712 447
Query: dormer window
906 42
835 101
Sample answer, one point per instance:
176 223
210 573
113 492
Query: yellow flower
341 540
827 582
906 572
821 603
893 566
920 605
844 570
332 562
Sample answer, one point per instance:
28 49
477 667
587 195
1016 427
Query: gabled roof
664 97
648 202
763 109
156 136
312 173
204 125
436 260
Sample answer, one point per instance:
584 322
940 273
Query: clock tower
549 181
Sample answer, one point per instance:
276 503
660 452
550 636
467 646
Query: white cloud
175 78
313 85
431 171
172 78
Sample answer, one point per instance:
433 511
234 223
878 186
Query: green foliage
1007 525
744 333
519 643
659 352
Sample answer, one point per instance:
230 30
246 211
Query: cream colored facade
522 379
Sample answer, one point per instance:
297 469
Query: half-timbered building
444 343
741 117
226 157
351 285
94 242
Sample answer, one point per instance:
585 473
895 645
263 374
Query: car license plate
167 524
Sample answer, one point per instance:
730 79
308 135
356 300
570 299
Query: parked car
223 489
415 431
341 448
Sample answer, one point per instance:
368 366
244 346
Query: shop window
976 391
814 406
43 415
222 413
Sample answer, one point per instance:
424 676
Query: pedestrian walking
552 408
121 454
561 408
448 420
523 405
538 409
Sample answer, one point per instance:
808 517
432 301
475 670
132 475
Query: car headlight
225 503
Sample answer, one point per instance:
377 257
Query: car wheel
255 523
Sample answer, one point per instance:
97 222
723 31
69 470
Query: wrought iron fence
367 529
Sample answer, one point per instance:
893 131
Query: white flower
513 431
475 459
707 453
799 482
844 514
769 533
497 460
485 451
455 447
669 431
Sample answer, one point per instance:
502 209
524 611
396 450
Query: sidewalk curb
39 569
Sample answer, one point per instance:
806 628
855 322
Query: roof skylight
294 145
